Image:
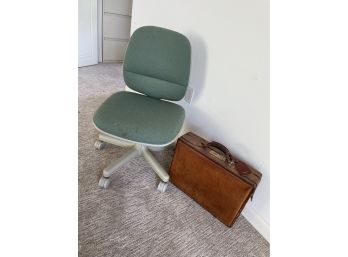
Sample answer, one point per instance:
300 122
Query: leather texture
157 63
204 175
139 118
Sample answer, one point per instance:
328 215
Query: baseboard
258 223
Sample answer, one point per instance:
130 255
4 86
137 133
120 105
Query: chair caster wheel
99 145
104 182
162 186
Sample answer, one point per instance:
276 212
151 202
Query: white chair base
134 150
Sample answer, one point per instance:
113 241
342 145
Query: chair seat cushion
139 118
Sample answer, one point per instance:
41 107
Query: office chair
156 65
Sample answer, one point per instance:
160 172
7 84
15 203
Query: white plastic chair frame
135 149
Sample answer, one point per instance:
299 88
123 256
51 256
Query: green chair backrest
157 63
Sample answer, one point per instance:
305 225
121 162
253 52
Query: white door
88 34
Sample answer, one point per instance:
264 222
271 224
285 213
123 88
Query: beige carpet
131 218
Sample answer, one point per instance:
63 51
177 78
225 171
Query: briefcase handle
241 167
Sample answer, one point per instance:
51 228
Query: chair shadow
198 63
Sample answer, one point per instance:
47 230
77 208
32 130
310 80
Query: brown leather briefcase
208 173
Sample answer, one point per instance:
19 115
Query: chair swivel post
114 165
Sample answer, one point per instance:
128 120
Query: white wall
230 76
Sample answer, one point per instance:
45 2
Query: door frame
100 30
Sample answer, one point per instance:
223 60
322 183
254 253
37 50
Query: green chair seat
139 118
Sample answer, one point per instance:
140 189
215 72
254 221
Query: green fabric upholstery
157 63
140 118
